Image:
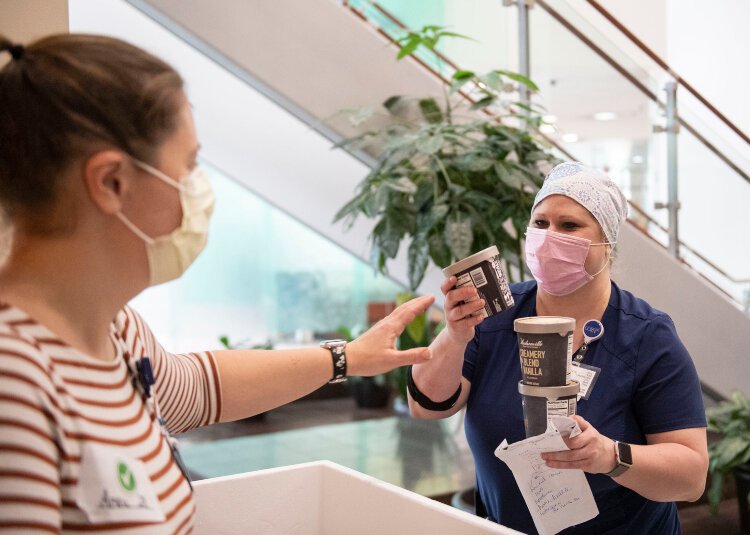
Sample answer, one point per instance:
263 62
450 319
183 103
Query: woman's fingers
447 285
566 456
458 295
404 314
417 355
467 309
589 451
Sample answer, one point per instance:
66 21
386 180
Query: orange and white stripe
55 399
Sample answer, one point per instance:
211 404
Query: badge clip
145 375
584 374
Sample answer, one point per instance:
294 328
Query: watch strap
622 466
618 470
338 355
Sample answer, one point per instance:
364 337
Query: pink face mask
557 260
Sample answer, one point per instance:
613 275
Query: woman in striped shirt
99 181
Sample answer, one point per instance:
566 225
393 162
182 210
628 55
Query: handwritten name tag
115 487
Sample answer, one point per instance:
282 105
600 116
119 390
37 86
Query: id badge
586 376
114 487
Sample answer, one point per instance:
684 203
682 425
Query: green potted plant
731 453
452 177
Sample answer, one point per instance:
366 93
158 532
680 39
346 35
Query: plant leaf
375 202
418 259
459 236
430 110
493 80
483 102
360 115
715 491
387 236
508 175
479 163
403 185
454 34
431 144
412 42
391 103
415 331
462 75
520 79
439 251
439 211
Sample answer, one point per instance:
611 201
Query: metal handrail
664 65
390 38
390 16
638 84
620 69
683 245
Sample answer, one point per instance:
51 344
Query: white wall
716 332
645 18
708 44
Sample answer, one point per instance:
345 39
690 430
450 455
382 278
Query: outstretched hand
374 352
589 451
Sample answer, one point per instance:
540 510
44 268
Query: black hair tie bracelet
426 402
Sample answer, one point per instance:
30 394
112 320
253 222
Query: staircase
316 57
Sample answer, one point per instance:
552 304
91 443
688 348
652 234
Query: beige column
23 21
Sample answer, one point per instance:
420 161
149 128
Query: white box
324 498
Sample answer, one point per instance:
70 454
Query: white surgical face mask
170 255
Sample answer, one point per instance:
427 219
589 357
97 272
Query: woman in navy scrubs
643 441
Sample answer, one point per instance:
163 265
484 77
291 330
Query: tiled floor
427 457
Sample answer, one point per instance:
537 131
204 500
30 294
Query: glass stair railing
606 106
266 275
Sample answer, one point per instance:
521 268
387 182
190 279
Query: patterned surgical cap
591 188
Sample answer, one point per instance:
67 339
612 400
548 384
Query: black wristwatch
338 353
624 459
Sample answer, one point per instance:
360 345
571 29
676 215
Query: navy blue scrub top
648 385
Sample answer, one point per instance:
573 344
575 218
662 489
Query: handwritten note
556 498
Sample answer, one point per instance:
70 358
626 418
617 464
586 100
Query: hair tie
16 51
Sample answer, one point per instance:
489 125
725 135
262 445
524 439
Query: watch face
624 454
333 343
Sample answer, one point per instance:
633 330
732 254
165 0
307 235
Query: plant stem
443 170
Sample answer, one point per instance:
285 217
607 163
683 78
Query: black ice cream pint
483 271
540 403
545 346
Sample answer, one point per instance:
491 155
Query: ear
105 181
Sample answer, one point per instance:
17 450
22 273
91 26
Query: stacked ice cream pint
545 346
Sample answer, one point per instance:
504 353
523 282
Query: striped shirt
55 401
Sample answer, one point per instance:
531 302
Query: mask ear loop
609 256
135 230
187 185
164 178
